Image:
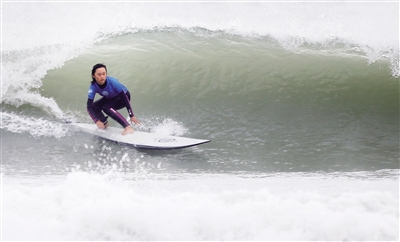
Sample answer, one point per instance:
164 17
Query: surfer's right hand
100 125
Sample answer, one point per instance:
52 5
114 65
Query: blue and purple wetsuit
114 96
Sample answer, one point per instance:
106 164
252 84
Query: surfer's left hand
134 120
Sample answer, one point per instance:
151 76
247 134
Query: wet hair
95 67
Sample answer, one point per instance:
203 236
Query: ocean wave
368 26
323 74
205 207
35 43
167 63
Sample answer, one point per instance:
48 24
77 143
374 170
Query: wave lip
372 26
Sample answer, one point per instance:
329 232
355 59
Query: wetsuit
114 96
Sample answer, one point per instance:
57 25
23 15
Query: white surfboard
141 139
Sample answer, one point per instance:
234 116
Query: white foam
37 127
201 207
170 127
164 126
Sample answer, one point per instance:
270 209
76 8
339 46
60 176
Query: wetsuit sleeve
91 92
125 98
89 105
90 110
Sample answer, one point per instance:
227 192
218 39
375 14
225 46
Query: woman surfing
115 96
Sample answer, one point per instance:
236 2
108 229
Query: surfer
115 96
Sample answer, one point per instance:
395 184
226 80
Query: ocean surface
299 99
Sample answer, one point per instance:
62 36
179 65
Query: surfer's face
100 75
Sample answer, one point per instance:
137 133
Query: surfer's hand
134 120
100 125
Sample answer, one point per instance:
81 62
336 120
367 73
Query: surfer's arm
89 107
125 98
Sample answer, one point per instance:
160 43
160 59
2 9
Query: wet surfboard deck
141 139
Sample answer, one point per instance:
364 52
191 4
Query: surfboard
140 139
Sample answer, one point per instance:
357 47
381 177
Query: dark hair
95 67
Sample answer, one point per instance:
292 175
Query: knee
108 111
97 107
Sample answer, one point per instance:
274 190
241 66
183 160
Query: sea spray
93 206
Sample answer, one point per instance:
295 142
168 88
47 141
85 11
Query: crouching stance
115 96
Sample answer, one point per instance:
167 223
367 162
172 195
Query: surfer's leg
121 120
117 103
98 107
111 107
114 114
111 110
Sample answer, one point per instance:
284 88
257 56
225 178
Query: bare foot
128 130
